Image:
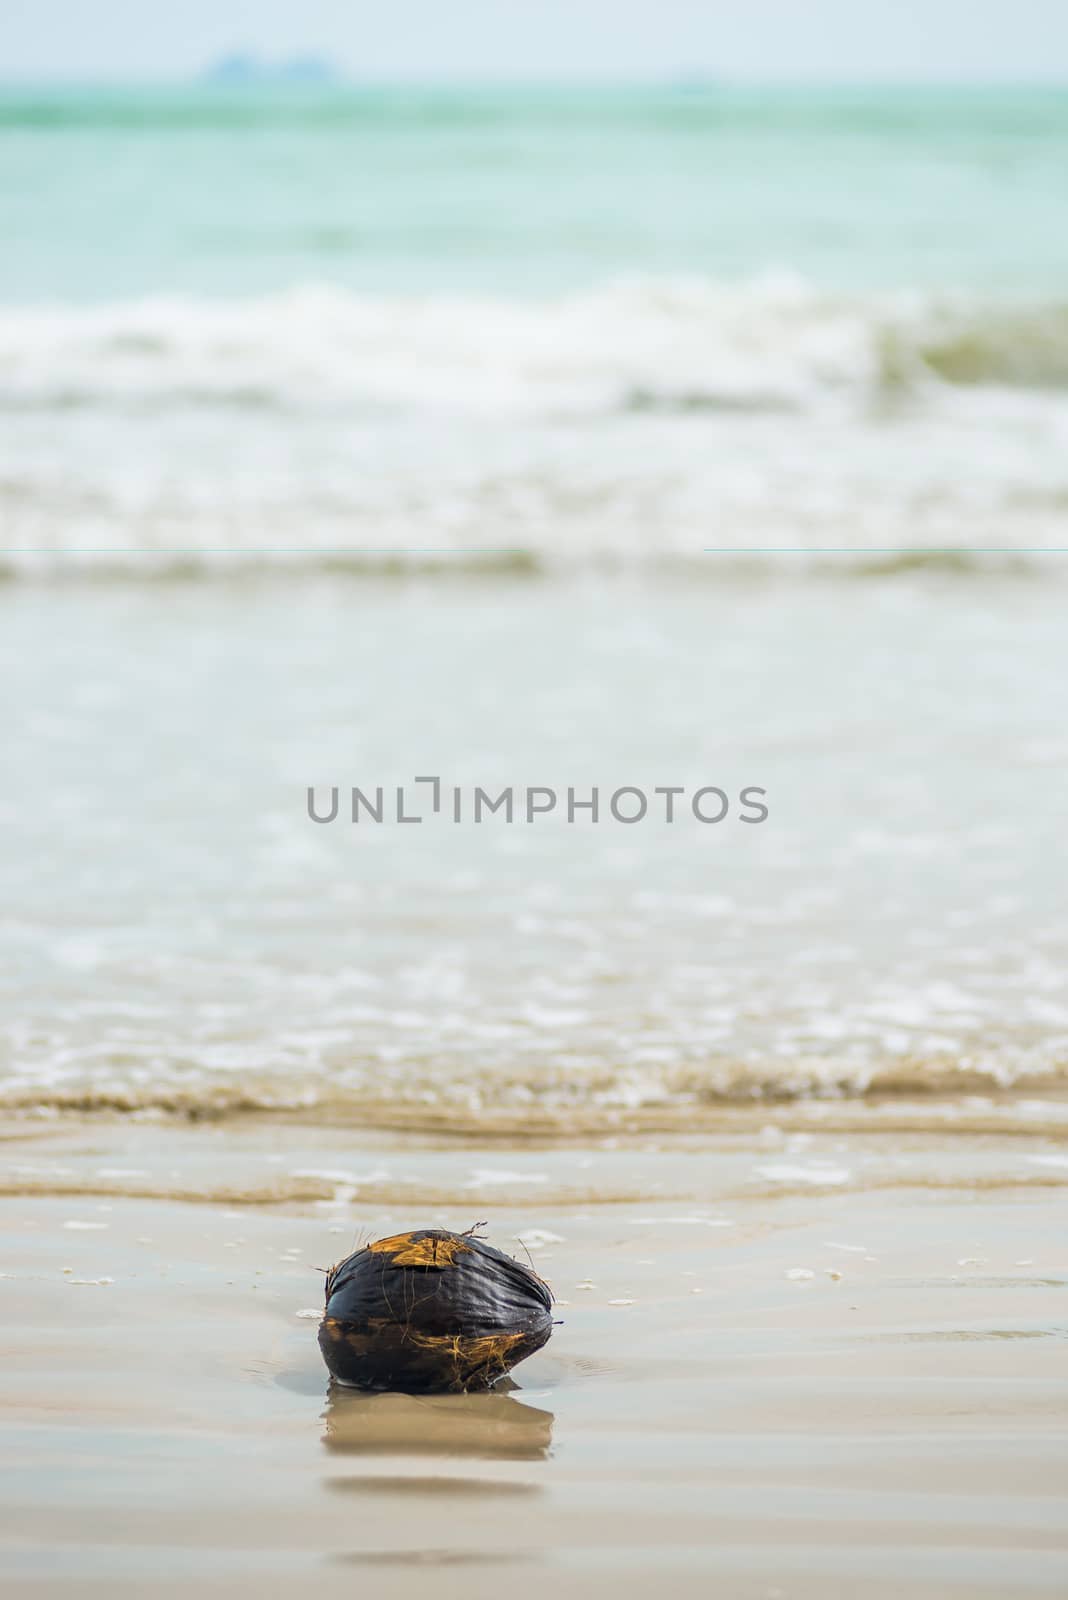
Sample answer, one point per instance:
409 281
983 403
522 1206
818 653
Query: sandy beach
794 1385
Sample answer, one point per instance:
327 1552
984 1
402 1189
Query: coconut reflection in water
488 1426
428 1508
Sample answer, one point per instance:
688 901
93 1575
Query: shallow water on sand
804 1392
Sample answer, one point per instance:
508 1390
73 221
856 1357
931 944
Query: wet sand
807 1388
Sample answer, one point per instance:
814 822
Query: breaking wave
774 343
518 1103
645 423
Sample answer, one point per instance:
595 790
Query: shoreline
740 1156
1029 1111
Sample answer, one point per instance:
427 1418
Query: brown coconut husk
431 1311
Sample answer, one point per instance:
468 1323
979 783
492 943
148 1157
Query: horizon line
274 76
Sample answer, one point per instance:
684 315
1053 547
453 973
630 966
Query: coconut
431 1311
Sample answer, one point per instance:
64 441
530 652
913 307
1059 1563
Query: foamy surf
1019 1092
772 343
679 423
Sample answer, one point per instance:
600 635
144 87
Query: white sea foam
494 1177
784 1173
675 343
644 419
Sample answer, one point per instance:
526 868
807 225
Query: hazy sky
794 39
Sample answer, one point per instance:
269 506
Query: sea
691 435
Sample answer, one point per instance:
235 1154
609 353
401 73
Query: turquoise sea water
114 193
535 357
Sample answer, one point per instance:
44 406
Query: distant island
242 69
